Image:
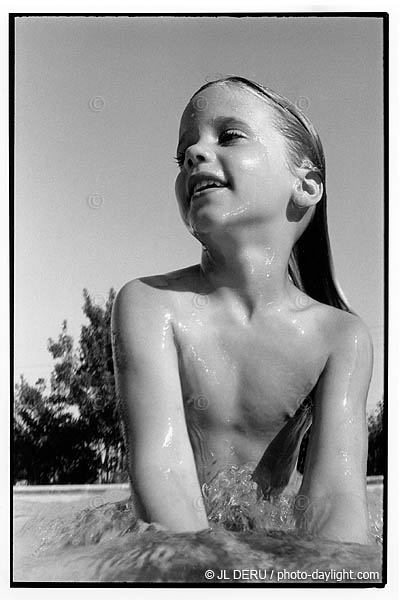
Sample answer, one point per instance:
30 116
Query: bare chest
248 379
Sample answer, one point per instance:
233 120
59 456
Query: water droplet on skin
269 255
168 437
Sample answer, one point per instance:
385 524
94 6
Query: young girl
228 361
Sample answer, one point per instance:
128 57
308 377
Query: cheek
253 164
179 189
180 195
262 175
252 172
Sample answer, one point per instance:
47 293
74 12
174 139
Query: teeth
202 185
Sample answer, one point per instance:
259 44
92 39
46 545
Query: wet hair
310 264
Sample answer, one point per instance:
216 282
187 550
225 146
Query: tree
85 380
97 382
376 442
73 435
50 445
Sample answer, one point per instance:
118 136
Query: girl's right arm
161 462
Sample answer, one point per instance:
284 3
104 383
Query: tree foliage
376 442
73 434
50 444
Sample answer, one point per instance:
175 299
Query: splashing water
235 501
108 543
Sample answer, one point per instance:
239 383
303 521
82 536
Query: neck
250 271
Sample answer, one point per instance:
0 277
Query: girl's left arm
332 499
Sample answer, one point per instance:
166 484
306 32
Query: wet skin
241 382
215 361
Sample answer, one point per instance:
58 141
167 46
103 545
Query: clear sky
98 104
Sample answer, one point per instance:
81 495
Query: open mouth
206 186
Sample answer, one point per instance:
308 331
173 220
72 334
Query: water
94 538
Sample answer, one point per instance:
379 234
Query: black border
385 59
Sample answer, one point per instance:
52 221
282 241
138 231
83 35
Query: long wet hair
310 264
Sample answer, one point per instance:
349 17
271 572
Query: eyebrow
221 122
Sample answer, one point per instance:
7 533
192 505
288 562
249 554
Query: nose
196 154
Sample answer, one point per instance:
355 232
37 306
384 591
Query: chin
207 221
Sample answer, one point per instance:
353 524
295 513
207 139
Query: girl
228 361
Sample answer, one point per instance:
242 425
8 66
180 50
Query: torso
241 381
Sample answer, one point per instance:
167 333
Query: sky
98 103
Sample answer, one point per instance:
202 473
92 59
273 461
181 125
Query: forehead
226 100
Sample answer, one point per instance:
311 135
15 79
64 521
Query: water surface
94 538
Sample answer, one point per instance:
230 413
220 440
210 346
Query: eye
225 137
230 134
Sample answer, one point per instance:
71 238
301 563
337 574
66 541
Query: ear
307 189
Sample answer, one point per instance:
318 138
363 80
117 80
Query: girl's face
232 161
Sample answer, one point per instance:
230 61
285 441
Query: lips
204 181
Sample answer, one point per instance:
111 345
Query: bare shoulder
347 330
141 324
147 305
154 290
137 292
334 328
138 305
348 367
347 341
